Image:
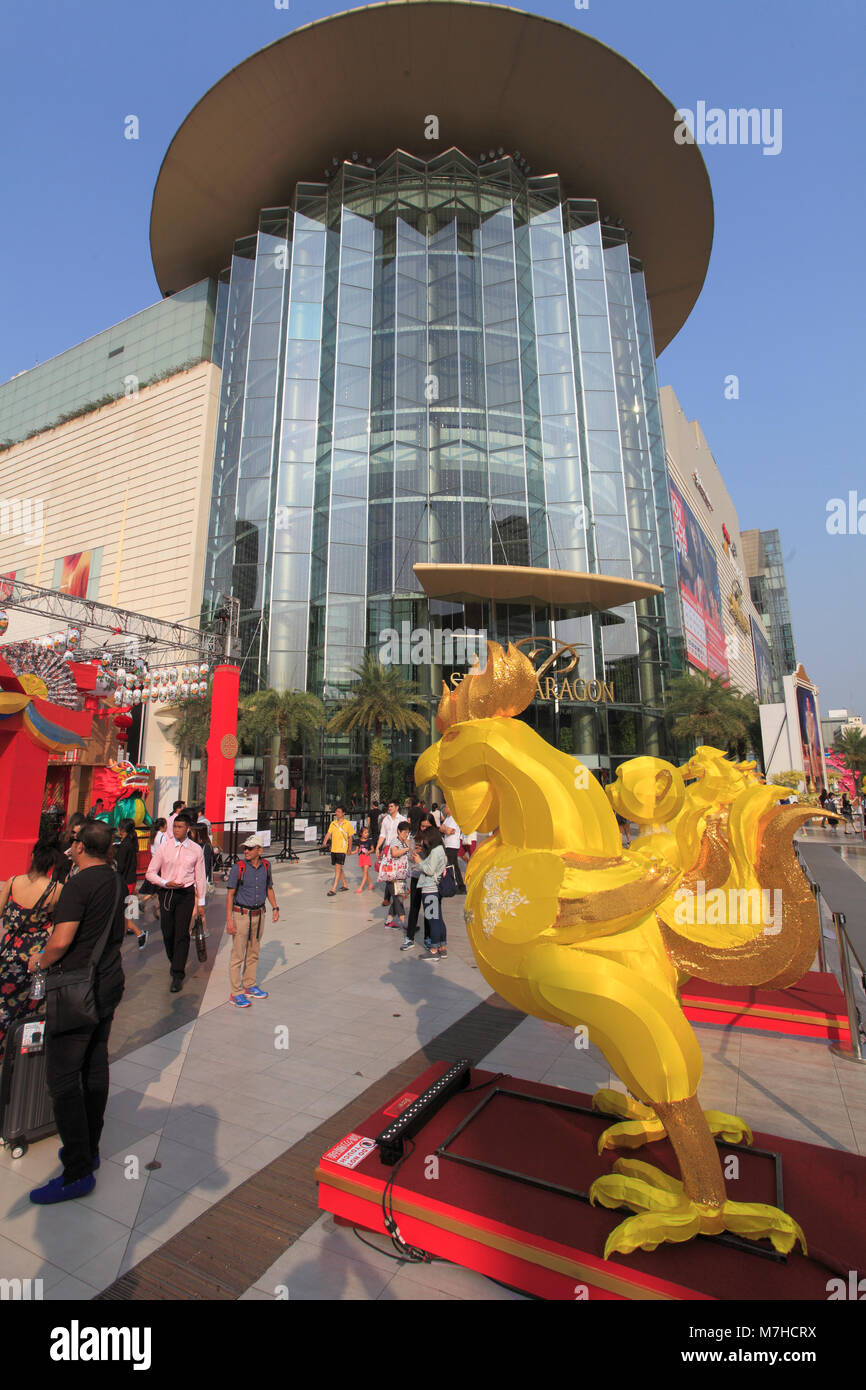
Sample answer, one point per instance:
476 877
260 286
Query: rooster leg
671 1210
697 1156
641 1124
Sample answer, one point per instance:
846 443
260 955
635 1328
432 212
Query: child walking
364 858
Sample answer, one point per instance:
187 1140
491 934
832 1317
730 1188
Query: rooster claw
665 1213
631 1134
728 1127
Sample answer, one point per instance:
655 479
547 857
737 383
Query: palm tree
292 716
381 698
850 744
703 709
750 741
190 731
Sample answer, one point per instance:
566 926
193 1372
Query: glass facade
175 333
443 362
769 593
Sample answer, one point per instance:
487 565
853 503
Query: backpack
242 868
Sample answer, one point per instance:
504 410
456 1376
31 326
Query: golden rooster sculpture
570 927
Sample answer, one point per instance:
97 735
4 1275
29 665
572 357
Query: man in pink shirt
177 868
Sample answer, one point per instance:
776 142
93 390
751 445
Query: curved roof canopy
562 589
367 80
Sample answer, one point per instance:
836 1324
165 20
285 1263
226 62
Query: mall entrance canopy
565 593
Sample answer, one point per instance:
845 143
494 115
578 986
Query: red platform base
813 1008
549 1243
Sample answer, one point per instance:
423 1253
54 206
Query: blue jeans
433 920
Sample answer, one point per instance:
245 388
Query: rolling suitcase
26 1111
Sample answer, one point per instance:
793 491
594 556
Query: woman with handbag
83 988
416 901
395 867
433 866
26 902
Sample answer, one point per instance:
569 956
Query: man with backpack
249 886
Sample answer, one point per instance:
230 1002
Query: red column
222 740
23 769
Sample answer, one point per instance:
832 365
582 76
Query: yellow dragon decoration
570 927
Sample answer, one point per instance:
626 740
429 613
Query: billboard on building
78 574
700 589
810 735
763 663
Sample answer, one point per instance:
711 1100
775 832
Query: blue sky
782 307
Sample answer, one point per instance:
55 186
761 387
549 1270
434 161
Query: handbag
198 937
70 996
447 886
393 870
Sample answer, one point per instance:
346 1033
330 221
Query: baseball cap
253 843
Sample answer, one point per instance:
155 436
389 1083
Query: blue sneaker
256 993
95 1161
241 1000
58 1191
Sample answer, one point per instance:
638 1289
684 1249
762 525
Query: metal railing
288 842
836 886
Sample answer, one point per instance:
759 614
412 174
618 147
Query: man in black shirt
77 1061
417 812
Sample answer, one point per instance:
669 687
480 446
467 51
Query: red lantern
122 721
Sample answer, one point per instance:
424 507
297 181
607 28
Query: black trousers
416 905
76 1070
175 914
452 856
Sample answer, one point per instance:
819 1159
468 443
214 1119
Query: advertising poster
700 590
78 574
810 736
763 663
242 805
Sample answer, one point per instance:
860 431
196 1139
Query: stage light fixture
422 1109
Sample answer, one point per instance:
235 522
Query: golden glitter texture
696 1151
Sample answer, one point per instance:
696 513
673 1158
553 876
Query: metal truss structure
130 635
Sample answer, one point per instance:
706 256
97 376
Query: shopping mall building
419 277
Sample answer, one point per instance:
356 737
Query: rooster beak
427 766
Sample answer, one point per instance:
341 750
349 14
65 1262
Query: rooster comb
504 686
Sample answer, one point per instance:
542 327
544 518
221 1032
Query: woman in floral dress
26 901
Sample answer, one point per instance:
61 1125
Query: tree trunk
281 794
375 775
375 770
273 779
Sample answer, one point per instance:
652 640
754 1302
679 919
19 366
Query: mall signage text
575 691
